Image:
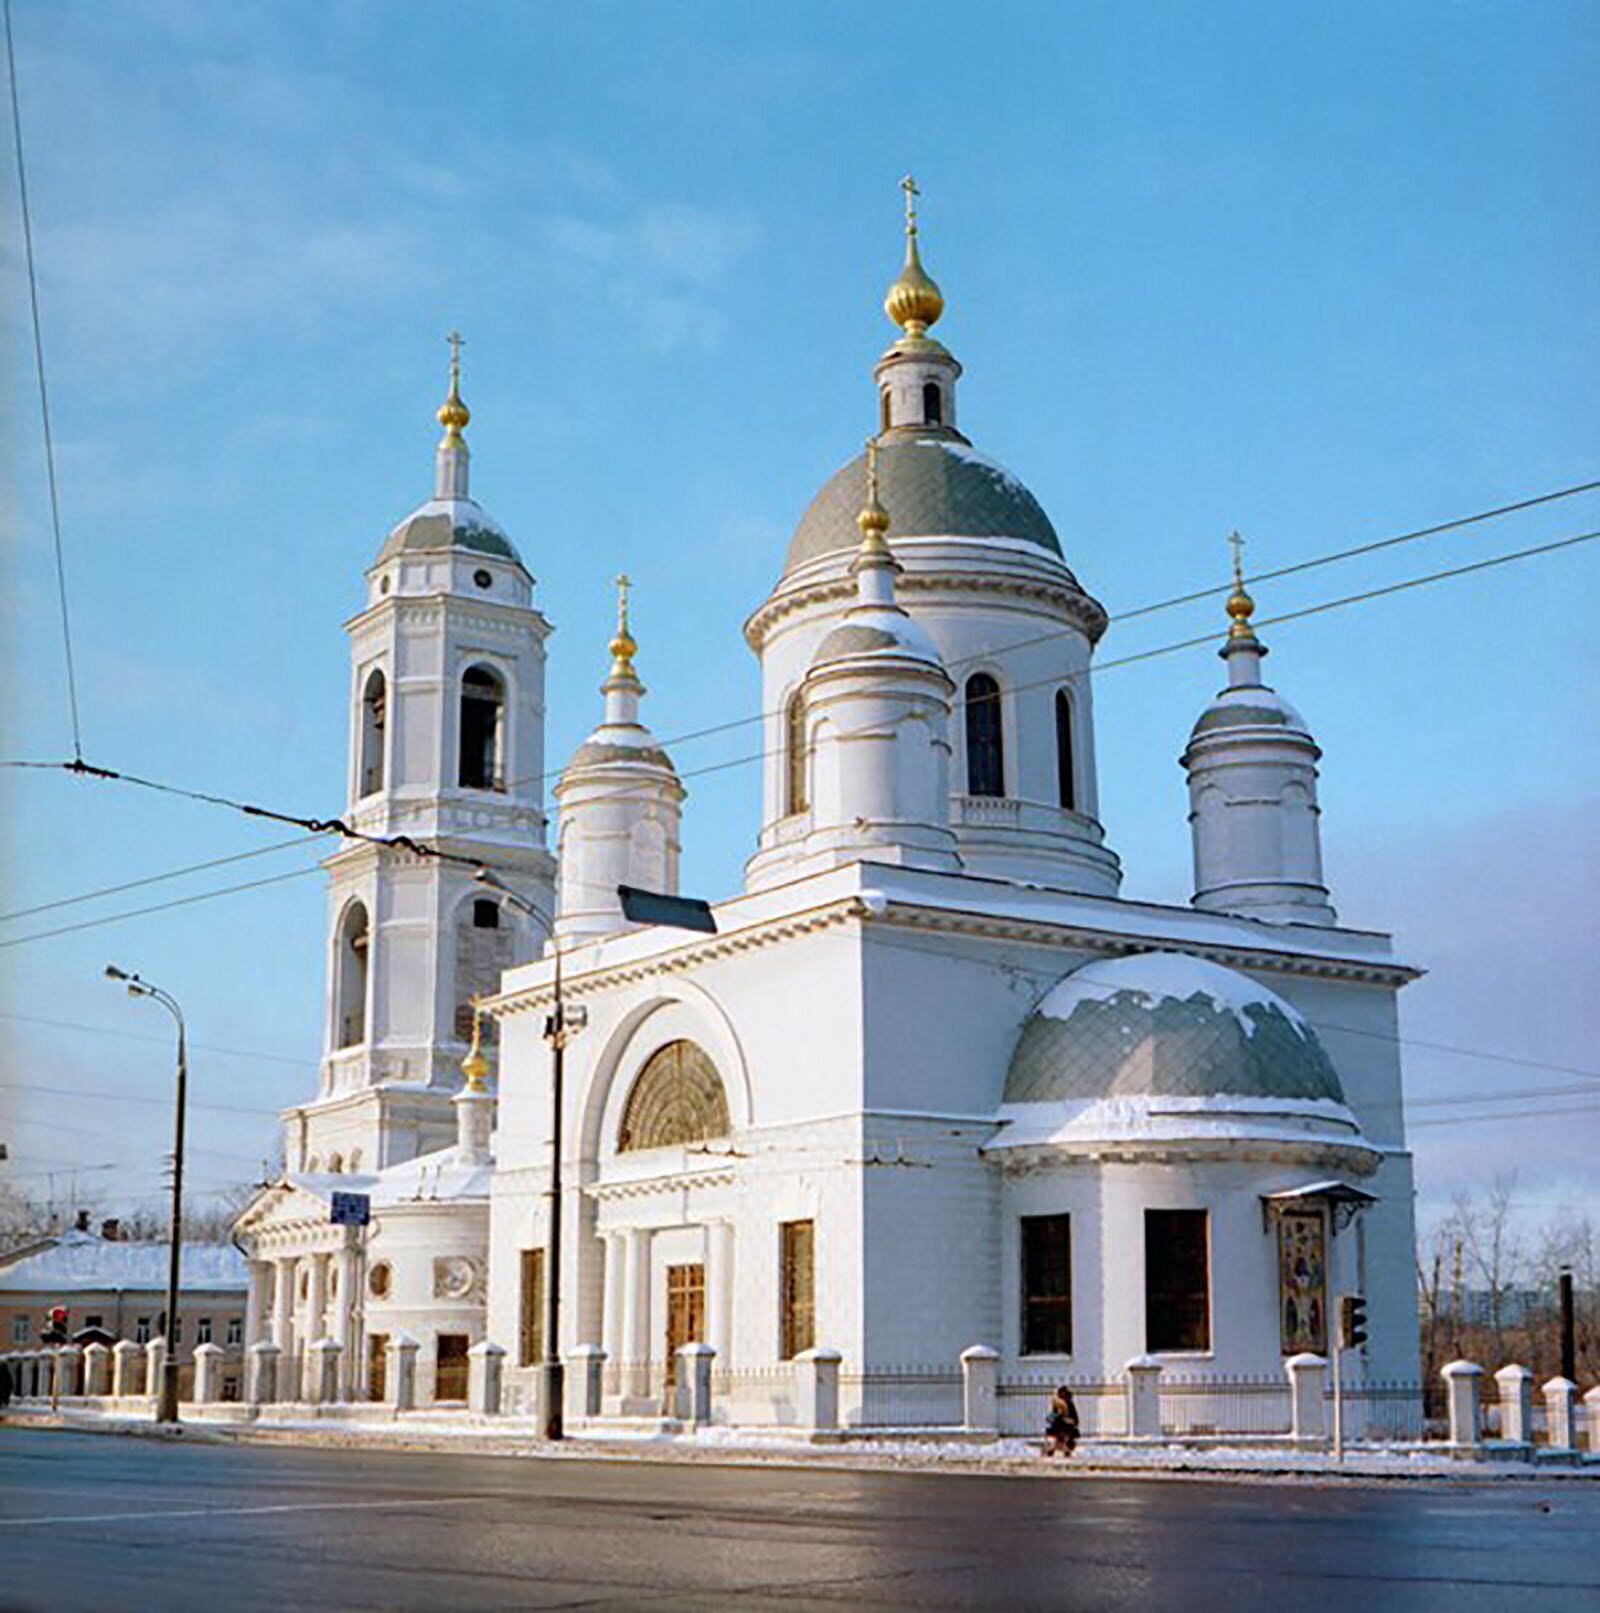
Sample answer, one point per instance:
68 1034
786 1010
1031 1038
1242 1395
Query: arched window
350 1008
482 717
986 757
1066 782
932 404
374 714
883 409
677 1098
795 797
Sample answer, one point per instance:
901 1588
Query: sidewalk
1012 1458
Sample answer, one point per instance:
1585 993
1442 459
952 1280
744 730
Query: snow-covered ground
1010 1457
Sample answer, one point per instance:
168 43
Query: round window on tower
483 579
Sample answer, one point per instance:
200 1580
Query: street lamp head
485 877
114 973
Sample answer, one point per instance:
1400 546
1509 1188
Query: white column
344 1319
255 1308
636 1313
612 1337
316 1320
283 1304
719 1290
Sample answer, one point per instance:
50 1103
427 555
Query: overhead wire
44 394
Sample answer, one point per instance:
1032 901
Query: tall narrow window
482 716
883 408
932 404
484 951
1177 1280
797 1286
1066 783
986 761
1047 1285
374 714
532 1331
794 755
350 1009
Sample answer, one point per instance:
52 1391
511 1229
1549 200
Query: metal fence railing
900 1397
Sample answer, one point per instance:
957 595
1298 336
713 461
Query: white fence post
207 1374
1516 1404
1466 1415
96 1369
261 1375
1560 1414
127 1360
584 1377
817 1387
694 1384
1144 1397
1591 1407
402 1371
69 1370
485 1366
980 1386
155 1366
1308 1412
322 1371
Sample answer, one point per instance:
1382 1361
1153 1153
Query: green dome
450 523
933 486
1169 1025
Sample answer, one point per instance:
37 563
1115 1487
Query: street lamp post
167 1409
559 1027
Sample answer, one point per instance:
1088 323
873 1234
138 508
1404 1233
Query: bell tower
446 752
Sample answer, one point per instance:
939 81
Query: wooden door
377 1366
450 1367
686 1314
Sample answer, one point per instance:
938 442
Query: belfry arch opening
986 757
374 721
350 1004
1066 775
795 794
932 404
676 1099
483 701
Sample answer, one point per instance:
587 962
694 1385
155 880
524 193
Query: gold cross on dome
872 470
456 342
624 583
1236 543
909 186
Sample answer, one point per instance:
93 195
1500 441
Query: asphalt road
95 1522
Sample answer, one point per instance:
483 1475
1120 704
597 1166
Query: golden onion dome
914 301
1240 605
475 1066
453 413
623 646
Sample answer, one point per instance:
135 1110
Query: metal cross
455 341
624 583
909 186
1237 544
872 471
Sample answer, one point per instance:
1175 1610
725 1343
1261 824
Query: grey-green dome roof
934 486
1248 706
450 523
881 630
1166 1024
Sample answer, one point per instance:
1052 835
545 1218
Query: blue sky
1323 274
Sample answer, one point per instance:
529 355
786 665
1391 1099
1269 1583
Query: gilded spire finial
623 645
873 519
475 1066
914 301
453 413
1240 604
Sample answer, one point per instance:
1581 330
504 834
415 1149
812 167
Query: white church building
931 1084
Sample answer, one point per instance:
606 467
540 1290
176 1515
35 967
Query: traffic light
1352 1321
58 1318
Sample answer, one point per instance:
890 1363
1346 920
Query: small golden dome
623 647
914 301
453 413
1240 604
475 1066
873 518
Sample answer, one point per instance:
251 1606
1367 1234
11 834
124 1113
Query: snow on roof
81 1261
433 1178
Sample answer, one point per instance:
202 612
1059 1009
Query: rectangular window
20 1330
797 1285
205 1331
141 1330
1177 1280
532 1329
235 1332
450 1367
1047 1285
94 1321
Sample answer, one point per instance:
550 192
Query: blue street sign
351 1209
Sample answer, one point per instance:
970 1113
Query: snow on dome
1164 1024
877 631
450 523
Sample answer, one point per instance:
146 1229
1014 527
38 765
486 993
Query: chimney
83 1221
111 1229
